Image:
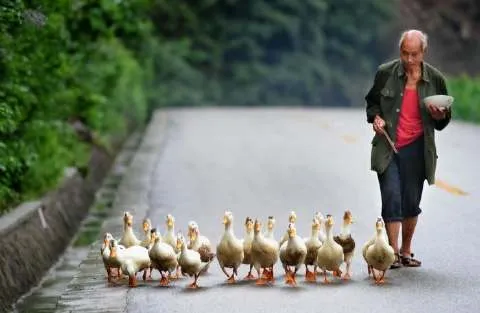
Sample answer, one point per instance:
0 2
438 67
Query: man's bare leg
393 231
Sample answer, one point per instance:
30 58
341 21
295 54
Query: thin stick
389 140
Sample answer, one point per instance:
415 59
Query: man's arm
373 97
442 90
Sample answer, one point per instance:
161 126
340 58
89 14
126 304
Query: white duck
128 239
264 254
270 228
199 242
162 256
313 243
169 236
230 249
321 233
379 255
108 262
292 218
330 254
371 242
247 246
292 253
190 261
347 242
147 227
132 260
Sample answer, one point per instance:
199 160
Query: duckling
312 243
190 261
330 254
292 218
132 260
108 262
198 242
147 227
292 253
247 246
128 239
265 253
230 249
321 233
270 226
162 256
347 242
379 255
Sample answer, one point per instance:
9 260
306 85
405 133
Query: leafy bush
66 61
466 91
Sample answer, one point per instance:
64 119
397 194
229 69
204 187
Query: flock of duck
172 255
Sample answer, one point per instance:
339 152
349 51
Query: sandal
409 261
397 263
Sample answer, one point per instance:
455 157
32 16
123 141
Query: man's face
411 52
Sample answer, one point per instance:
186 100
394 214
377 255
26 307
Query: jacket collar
425 76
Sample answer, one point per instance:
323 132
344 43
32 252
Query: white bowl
441 101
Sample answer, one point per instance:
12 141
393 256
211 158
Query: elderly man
397 111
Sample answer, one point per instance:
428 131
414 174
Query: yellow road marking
324 125
449 188
349 138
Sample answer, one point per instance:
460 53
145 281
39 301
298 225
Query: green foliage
466 91
61 62
277 52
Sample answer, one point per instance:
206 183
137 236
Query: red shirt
410 125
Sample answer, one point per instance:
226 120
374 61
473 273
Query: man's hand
436 112
378 125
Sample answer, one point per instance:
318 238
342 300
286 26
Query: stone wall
31 246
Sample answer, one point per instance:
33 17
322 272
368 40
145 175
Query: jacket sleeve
373 97
442 90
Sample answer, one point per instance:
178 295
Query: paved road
262 162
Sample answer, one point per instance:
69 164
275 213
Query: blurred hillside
454 30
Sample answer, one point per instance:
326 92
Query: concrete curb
89 286
33 238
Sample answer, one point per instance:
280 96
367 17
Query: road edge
88 289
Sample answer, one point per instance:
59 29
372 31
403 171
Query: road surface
261 162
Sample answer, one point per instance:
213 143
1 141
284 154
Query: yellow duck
132 260
330 254
312 243
162 256
292 253
230 249
247 246
379 255
264 254
190 261
347 242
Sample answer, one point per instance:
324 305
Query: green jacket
385 99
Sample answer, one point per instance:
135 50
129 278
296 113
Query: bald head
413 37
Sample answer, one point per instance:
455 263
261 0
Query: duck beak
113 252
